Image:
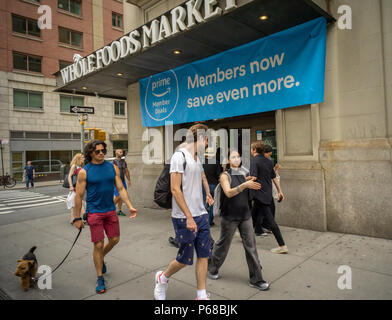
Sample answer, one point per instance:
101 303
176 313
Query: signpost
81 109
82 112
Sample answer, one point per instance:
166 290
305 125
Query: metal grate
4 296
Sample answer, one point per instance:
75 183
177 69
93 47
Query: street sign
81 109
84 115
4 141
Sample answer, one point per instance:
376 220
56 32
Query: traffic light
100 135
94 133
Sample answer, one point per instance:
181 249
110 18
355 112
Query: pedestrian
189 216
29 174
236 214
122 166
76 165
268 154
97 178
212 170
263 169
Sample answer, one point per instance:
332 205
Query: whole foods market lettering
179 19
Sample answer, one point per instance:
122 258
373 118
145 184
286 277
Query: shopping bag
70 199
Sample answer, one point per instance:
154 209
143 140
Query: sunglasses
97 152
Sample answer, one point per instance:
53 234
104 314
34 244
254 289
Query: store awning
237 27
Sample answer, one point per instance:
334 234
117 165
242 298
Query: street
309 271
20 205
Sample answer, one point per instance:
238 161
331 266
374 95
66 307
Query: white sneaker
160 287
207 297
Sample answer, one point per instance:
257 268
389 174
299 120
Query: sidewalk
22 185
308 272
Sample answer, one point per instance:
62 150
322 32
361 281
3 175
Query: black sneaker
174 242
262 285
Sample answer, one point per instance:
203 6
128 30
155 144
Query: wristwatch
76 219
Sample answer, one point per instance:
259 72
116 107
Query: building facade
34 119
335 155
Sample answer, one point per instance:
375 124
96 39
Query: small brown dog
26 269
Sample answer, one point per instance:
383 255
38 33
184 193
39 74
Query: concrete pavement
309 271
22 185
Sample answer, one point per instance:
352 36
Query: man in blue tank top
97 178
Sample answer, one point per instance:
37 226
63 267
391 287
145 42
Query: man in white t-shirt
189 216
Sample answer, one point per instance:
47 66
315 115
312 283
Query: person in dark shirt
29 174
235 214
263 169
212 170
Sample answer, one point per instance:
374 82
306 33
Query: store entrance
243 130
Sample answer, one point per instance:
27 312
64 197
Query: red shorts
99 221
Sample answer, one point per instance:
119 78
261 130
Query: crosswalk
11 200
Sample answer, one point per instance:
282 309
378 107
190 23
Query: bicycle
7 182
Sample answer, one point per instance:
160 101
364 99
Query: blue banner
285 69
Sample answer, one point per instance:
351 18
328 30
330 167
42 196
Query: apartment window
119 108
117 20
64 64
28 99
70 37
26 62
73 6
67 100
25 26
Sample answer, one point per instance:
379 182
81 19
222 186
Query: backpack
218 193
162 192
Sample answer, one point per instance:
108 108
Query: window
27 99
58 158
119 108
73 6
76 136
36 135
64 64
61 135
67 100
28 63
26 26
17 135
117 20
39 159
17 165
70 37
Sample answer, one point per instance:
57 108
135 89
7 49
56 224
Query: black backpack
162 193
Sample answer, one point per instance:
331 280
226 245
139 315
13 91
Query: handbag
74 180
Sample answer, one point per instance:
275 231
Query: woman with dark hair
235 214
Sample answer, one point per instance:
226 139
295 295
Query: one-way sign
81 109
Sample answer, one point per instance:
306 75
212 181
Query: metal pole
82 133
2 163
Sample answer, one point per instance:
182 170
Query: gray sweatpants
221 247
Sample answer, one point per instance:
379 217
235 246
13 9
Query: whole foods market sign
179 19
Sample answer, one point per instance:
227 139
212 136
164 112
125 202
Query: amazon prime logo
161 95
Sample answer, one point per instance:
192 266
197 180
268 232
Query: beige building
335 155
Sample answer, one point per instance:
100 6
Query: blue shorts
115 189
188 241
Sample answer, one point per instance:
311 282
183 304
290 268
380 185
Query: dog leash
76 239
